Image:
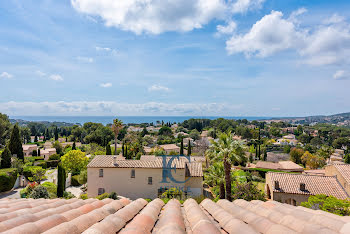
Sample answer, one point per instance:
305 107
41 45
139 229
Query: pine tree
189 148
6 158
182 147
61 180
15 145
108 150
74 147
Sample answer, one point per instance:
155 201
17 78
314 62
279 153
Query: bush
68 195
52 163
41 163
51 188
172 193
27 171
83 196
54 157
75 180
103 196
328 204
83 177
247 191
113 195
148 200
39 192
8 178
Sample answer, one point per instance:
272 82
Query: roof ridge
270 172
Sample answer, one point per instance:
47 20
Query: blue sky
168 57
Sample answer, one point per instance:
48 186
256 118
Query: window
132 173
149 180
101 191
101 173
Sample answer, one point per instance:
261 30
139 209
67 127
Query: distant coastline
127 119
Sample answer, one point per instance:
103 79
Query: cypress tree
189 148
36 138
38 152
15 145
347 159
6 158
182 147
56 133
35 153
123 153
126 152
73 147
61 180
108 150
265 155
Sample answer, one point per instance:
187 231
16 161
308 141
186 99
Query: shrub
41 163
113 195
52 163
8 178
83 196
103 196
39 192
54 157
148 200
199 199
328 204
51 188
68 195
75 180
83 177
172 193
247 191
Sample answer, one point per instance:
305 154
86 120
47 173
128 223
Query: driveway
76 191
13 194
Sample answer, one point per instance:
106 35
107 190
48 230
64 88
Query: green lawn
7 170
261 185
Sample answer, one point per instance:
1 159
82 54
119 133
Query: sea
126 119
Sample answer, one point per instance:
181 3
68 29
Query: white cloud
116 108
320 45
6 75
40 73
226 29
158 88
106 85
56 77
334 19
102 48
155 16
341 75
85 59
242 6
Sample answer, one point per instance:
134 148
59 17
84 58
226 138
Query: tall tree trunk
115 145
227 168
222 190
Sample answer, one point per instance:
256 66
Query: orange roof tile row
93 216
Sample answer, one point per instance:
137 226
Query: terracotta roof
194 169
289 165
93 216
281 165
344 170
267 165
290 183
169 146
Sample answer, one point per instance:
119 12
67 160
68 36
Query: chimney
114 160
277 185
302 186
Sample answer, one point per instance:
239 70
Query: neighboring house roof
194 169
169 146
315 172
92 216
281 165
29 147
290 183
344 170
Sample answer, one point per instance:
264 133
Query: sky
174 57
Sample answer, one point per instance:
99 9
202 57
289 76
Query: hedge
27 171
41 163
8 178
52 163
263 171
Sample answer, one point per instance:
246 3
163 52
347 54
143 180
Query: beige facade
28 150
338 171
170 148
46 153
289 198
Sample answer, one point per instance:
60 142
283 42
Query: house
77 144
58 216
146 178
28 150
46 153
280 166
296 188
170 148
341 172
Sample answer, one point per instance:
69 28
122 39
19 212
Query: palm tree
215 177
116 127
228 151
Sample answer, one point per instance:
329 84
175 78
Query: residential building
296 188
46 153
145 178
341 172
77 144
28 150
170 148
58 216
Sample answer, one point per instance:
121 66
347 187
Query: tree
165 131
215 177
144 132
74 147
25 132
328 204
347 159
182 147
189 148
312 161
247 191
5 127
61 180
6 158
56 133
108 150
36 138
58 147
265 155
35 153
296 154
38 174
74 160
15 145
228 151
38 152
116 127
194 134
126 152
